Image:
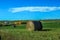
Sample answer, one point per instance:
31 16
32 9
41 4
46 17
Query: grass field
51 31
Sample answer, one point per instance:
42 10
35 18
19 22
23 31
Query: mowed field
51 31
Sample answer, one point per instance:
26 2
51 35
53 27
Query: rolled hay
34 25
30 26
17 23
37 25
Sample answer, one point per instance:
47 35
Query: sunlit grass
51 31
22 34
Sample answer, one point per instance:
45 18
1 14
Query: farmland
51 31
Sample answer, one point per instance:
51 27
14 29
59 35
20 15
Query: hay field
51 31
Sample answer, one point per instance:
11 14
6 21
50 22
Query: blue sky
6 5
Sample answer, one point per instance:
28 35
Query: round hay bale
34 25
17 23
30 26
37 25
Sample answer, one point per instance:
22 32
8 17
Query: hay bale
37 25
34 25
30 26
17 23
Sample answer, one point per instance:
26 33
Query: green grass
51 25
45 25
23 26
21 34
51 31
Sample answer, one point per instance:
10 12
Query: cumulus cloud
33 9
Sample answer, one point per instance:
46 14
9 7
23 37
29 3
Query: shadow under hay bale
34 25
47 30
0 37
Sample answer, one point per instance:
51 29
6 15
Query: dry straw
30 26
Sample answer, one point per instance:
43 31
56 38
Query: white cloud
33 9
